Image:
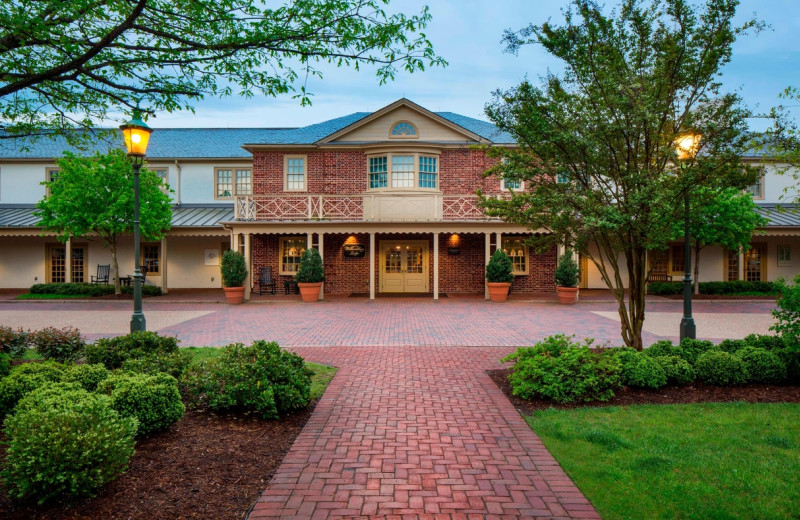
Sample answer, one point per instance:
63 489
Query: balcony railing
378 207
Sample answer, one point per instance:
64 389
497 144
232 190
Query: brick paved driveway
418 431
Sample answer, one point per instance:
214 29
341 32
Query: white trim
234 181
281 245
286 159
416 173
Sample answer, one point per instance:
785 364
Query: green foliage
154 400
13 342
5 364
82 65
787 313
260 378
791 359
733 287
661 348
567 272
762 365
732 345
677 370
112 352
565 374
552 346
600 167
766 341
499 269
310 269
61 345
88 376
644 372
88 289
65 442
233 269
715 367
665 288
692 349
24 379
175 364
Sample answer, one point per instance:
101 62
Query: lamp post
136 134
687 146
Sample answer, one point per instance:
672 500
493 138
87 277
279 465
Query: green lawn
700 461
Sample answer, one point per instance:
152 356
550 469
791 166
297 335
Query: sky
468 33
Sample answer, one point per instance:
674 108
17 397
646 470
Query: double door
404 266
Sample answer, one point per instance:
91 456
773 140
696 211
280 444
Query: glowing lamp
687 145
136 134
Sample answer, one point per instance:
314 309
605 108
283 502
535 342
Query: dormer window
403 130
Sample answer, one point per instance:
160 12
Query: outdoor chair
266 281
103 272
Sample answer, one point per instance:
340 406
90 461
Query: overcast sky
467 34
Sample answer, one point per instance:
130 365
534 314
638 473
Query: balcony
379 207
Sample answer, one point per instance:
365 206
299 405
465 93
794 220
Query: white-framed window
406 171
507 184
517 251
292 248
757 189
403 130
295 173
784 255
151 257
50 174
232 181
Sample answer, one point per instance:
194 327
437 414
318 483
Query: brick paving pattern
411 432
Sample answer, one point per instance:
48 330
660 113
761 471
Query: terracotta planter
309 292
234 295
567 295
498 291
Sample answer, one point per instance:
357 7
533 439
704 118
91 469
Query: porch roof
187 215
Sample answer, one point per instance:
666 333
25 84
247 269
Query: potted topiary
567 279
499 276
310 275
234 273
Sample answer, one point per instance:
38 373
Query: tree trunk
112 245
696 288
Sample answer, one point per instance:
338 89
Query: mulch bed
695 393
205 466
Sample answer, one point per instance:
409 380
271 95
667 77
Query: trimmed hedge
5 364
65 441
716 367
677 370
738 286
113 352
88 376
762 365
89 289
24 379
153 400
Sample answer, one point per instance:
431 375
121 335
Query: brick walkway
417 432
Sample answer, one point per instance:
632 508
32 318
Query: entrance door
404 266
57 264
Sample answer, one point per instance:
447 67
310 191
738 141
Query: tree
727 218
595 143
93 196
780 144
69 63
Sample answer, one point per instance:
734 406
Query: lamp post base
688 329
138 323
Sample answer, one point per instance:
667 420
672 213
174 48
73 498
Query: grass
31 296
700 461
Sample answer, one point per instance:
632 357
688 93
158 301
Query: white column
249 281
163 266
488 255
561 249
436 266
499 243
372 266
68 260
234 241
309 240
322 256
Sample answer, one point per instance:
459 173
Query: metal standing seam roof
780 215
182 216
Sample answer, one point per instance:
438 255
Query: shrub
112 352
61 345
153 400
791 359
738 286
732 345
233 269
310 269
262 378
692 349
664 288
662 348
575 374
787 312
24 379
87 376
644 372
147 290
13 342
65 441
716 367
677 370
499 269
552 346
5 365
567 272
174 364
762 366
766 341
88 289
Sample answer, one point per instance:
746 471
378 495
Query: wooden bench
659 277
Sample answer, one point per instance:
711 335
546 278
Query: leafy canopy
94 196
66 63
596 142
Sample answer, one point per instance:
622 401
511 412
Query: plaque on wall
354 250
453 251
